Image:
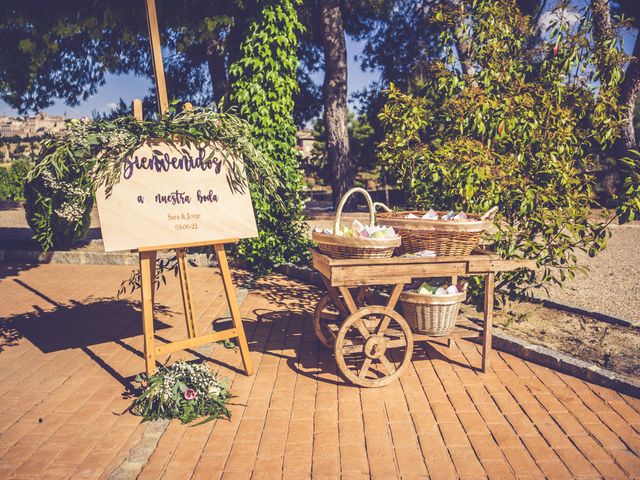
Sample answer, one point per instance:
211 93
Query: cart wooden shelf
373 344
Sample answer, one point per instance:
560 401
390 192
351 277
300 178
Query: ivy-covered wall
263 84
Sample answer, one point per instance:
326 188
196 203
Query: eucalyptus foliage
87 154
516 130
264 82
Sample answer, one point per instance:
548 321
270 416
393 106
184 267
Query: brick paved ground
69 349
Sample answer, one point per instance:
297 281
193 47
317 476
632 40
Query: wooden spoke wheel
373 346
326 318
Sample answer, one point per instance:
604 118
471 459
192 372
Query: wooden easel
148 254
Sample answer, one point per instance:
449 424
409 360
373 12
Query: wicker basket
446 238
337 246
431 314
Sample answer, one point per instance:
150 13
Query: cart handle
336 225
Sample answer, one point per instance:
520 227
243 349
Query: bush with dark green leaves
264 82
12 180
516 130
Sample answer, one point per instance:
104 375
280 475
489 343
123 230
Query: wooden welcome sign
176 194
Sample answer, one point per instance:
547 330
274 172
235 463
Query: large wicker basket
337 246
446 238
431 314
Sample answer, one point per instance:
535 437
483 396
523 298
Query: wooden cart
373 344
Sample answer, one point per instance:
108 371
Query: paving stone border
88 257
528 351
140 453
301 272
561 362
603 317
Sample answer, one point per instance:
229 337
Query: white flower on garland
70 211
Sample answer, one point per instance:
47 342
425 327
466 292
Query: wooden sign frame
148 255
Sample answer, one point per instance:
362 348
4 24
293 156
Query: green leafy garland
87 155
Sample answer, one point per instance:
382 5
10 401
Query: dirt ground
610 346
612 284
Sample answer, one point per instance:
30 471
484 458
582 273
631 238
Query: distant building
10 127
305 142
35 126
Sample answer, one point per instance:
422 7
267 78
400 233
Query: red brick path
68 349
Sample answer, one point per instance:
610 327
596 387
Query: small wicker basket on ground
337 246
431 314
445 237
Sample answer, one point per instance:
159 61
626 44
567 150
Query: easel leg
153 277
147 266
185 286
233 307
488 320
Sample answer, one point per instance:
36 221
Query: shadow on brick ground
317 362
76 324
79 325
8 270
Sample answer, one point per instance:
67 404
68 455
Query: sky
129 87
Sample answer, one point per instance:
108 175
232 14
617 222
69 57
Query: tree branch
628 95
217 69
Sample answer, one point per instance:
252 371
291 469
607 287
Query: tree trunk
628 96
335 101
464 55
629 89
602 33
463 47
601 19
463 43
217 69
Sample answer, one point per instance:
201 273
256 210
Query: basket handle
381 205
336 224
489 214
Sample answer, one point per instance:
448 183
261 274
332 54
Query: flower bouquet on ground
182 390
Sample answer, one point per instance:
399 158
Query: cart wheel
373 346
326 315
